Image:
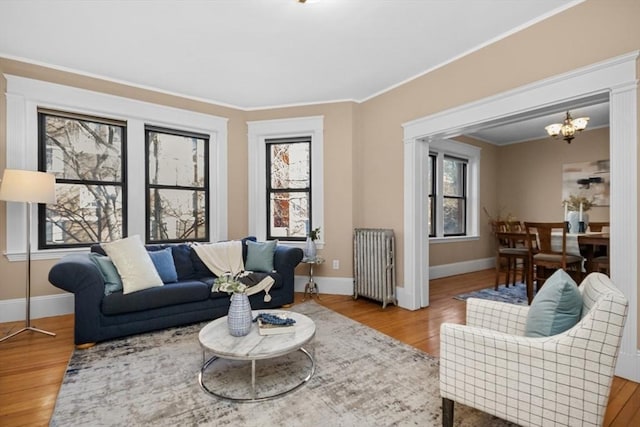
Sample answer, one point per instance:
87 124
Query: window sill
453 239
301 245
43 255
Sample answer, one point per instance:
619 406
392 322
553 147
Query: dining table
587 245
592 245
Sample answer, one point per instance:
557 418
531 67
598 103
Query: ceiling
254 54
531 126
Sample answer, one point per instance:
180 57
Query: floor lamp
30 187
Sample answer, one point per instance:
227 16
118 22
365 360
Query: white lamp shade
28 186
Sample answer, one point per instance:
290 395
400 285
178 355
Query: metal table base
253 397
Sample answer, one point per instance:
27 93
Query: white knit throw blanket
225 258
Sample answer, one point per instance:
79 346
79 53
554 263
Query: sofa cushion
133 263
167 295
182 260
556 307
112 281
260 256
166 268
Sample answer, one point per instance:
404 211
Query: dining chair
504 252
544 256
596 227
511 247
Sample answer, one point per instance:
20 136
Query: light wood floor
32 365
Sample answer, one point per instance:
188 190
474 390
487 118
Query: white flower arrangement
229 283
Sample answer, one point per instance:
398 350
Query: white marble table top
215 338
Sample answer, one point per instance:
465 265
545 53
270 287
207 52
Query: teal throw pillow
556 308
166 267
112 281
260 256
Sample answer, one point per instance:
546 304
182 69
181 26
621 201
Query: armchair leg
447 412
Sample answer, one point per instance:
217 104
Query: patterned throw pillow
133 263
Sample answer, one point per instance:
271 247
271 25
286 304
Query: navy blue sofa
100 317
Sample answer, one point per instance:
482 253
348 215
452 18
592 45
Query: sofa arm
78 274
75 273
497 316
285 261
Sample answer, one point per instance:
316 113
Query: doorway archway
615 77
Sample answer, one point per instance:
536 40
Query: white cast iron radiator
374 265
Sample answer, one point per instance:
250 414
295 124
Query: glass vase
310 250
239 317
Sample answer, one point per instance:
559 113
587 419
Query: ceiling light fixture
567 129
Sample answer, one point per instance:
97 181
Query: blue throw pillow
163 261
556 307
112 280
260 256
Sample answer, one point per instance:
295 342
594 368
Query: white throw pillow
133 264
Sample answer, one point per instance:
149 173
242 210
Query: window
177 189
453 186
288 188
454 193
86 154
122 121
286 197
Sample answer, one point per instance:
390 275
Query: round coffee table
215 338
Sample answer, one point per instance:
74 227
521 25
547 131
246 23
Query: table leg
253 379
311 288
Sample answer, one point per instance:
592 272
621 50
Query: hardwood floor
32 365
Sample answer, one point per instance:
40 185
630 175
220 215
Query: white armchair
561 380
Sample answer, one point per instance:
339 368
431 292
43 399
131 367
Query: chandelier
567 129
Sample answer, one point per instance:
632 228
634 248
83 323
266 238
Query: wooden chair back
596 227
540 232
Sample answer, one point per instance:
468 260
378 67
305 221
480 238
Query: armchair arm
497 316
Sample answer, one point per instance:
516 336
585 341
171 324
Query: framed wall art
588 179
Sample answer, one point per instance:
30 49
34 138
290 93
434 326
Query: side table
311 288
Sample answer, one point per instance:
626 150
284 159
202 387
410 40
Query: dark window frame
148 186
432 194
463 197
42 167
269 190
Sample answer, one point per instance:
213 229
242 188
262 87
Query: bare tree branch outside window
85 155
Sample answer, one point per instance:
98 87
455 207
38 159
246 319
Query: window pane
454 216
84 213
289 165
453 179
83 150
288 214
176 214
176 160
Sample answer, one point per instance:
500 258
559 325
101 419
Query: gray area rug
363 378
513 294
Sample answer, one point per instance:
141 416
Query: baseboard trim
628 366
13 310
327 285
446 270
55 305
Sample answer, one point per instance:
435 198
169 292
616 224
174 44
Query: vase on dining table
573 217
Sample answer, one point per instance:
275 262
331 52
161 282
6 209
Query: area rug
513 294
363 378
